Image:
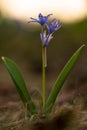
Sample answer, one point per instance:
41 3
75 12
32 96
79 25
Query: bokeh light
68 11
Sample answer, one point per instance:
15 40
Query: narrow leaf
20 84
61 79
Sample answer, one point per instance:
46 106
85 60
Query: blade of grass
20 84
61 78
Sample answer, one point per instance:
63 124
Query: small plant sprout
47 32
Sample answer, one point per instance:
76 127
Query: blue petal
53 26
45 38
33 20
41 19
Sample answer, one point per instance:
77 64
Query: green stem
44 64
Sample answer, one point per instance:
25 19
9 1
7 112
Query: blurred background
21 42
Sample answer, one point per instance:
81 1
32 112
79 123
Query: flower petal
53 26
41 19
45 38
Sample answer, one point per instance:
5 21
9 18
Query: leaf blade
19 83
61 78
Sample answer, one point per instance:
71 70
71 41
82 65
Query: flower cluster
53 26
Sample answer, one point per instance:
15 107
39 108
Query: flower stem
44 64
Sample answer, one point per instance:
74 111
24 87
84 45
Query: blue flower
45 38
41 19
53 26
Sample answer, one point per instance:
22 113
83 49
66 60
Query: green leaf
20 84
61 79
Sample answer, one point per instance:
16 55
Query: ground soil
11 110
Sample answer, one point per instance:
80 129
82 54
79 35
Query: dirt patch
12 114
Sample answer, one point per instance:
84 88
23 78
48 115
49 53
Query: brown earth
11 109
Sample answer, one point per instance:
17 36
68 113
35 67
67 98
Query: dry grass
66 117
